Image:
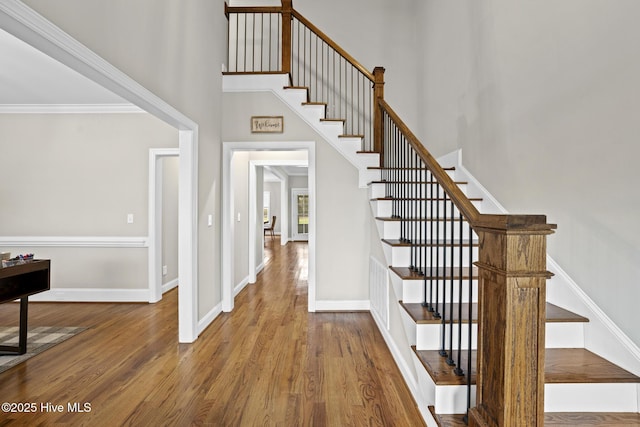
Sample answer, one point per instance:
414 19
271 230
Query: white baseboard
355 305
404 368
240 286
75 241
92 295
209 318
170 285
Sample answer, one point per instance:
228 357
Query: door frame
228 148
156 184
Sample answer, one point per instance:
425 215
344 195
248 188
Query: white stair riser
591 397
445 399
413 291
413 175
436 230
388 229
400 256
378 190
429 336
384 208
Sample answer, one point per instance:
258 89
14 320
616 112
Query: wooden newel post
378 127
511 322
287 9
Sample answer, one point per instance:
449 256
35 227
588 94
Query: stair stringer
330 131
602 336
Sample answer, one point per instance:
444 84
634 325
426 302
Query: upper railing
451 242
279 39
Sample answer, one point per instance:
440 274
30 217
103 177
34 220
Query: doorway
300 214
229 216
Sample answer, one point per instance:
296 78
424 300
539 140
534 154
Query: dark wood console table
18 282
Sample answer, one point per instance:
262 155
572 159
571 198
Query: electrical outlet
164 270
129 218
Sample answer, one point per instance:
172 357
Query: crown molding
69 109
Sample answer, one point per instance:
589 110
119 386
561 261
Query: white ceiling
28 76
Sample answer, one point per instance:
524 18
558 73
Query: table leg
22 340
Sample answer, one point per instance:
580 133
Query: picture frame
267 124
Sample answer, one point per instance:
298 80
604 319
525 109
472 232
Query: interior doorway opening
232 220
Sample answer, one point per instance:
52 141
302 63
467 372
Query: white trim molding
155 220
228 148
75 241
92 295
69 109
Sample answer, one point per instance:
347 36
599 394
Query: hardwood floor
268 363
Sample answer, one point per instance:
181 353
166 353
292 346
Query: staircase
432 251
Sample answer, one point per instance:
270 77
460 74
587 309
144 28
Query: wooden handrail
462 202
368 74
254 9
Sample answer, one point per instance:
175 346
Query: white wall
174 49
80 175
543 99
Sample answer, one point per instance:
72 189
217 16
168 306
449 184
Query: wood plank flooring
268 363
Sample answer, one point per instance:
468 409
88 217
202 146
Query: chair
271 227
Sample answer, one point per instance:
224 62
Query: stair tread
428 243
562 366
355 136
451 168
424 199
315 103
332 120
441 272
392 219
412 182
421 315
554 419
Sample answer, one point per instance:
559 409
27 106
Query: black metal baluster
443 351
458 370
450 360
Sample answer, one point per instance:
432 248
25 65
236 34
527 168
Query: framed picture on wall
267 124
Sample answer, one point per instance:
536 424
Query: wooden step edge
359 137
562 366
315 103
428 199
441 373
413 182
557 419
441 272
403 169
440 244
332 120
447 420
421 315
424 219
366 152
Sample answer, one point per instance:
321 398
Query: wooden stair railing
511 249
